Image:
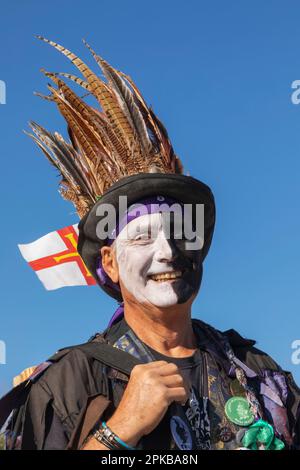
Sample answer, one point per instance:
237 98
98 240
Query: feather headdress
120 137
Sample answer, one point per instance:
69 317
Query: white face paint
150 267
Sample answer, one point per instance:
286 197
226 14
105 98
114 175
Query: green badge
238 411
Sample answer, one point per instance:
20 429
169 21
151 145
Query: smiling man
155 378
153 268
158 279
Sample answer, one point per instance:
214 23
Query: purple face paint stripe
144 207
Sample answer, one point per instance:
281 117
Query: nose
164 251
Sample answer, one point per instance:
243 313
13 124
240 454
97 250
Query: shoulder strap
100 351
110 356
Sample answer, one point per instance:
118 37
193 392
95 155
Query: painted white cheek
130 262
132 259
161 294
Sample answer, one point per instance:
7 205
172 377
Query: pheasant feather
118 137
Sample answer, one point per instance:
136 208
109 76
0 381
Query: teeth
165 276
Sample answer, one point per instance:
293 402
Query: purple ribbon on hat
152 205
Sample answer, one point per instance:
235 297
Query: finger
177 394
175 380
168 369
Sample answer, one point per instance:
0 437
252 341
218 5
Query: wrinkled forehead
142 224
166 222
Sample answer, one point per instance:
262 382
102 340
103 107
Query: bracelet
106 436
99 435
116 438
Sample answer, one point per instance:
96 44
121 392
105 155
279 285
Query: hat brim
182 188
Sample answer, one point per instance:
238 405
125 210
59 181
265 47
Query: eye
143 236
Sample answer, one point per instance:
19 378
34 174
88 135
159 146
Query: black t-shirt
190 366
185 427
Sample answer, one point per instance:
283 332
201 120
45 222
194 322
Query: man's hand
151 389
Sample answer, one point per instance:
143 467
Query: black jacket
77 383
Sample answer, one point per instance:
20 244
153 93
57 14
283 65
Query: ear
109 263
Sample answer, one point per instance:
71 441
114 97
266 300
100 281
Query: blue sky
219 76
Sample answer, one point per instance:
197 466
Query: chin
168 294
160 300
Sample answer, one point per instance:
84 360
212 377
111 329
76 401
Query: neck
166 330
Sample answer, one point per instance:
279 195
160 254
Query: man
155 378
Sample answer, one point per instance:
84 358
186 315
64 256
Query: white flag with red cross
56 261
